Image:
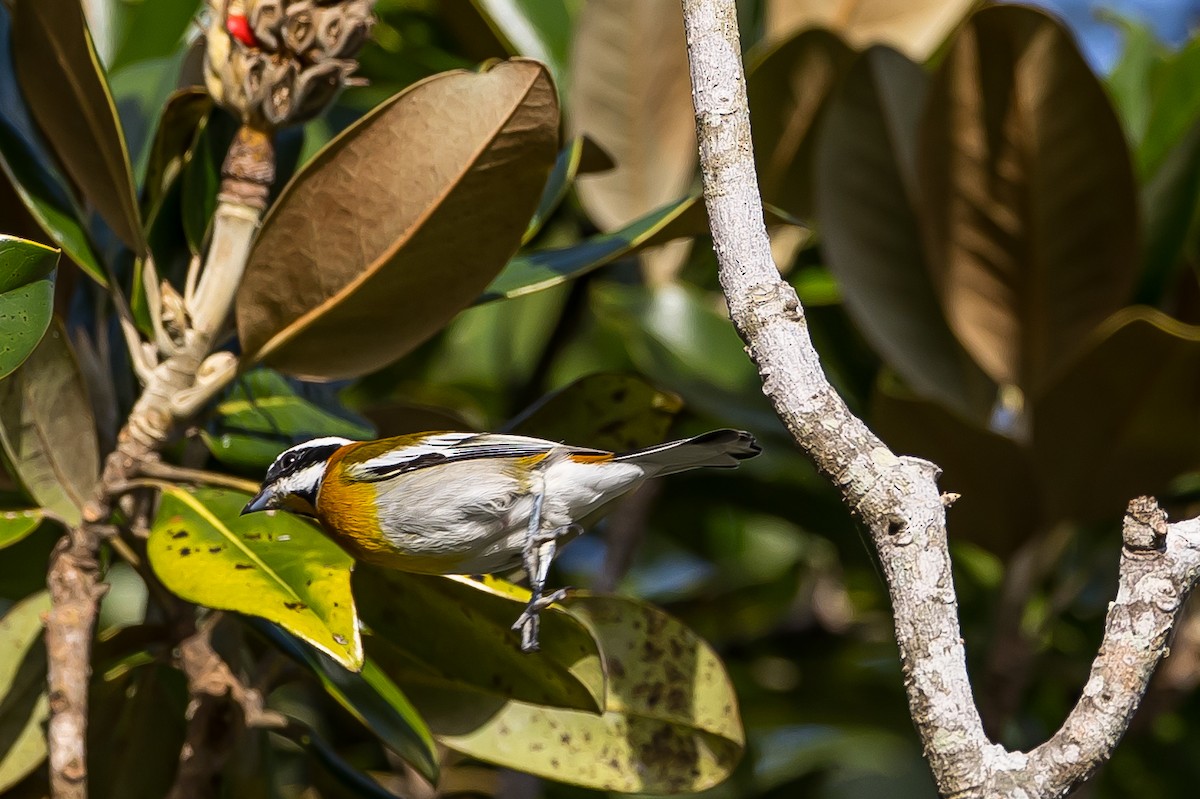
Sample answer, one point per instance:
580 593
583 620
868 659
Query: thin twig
897 498
182 474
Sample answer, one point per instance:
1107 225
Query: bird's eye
289 459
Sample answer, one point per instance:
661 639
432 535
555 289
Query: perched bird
471 503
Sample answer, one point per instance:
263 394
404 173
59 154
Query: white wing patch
448 447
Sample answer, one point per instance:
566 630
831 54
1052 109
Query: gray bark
897 498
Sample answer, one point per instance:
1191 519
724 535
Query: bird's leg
540 548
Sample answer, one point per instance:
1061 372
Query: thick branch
897 498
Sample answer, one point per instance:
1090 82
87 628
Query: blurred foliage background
995 237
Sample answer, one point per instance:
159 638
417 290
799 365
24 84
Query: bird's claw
529 622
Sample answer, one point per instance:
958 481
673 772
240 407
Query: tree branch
897 498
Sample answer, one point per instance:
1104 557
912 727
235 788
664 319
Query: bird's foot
529 622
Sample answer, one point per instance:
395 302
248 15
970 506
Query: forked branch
897 498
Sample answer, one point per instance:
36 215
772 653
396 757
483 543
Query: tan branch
897 498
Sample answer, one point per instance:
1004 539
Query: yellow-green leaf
400 222
16 524
46 428
23 704
64 84
273 565
671 721
433 633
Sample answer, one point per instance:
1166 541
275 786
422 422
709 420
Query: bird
472 503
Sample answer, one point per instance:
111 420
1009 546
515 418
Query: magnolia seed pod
266 19
299 27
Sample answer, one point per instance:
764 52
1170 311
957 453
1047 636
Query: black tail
721 449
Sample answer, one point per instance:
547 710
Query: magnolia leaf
536 270
1168 203
378 251
631 92
359 784
1001 504
670 721
26 298
454 633
540 29
914 27
616 412
788 88
23 703
175 139
558 185
1150 431
46 428
30 170
1030 250
15 525
64 84
871 237
273 565
369 696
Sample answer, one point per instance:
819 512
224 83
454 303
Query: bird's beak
263 500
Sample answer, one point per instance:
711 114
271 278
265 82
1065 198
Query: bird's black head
295 477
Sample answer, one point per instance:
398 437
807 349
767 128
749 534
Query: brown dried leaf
631 92
914 27
1029 196
399 223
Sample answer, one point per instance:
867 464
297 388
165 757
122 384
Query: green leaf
1150 429
17 524
788 87
64 85
616 412
670 722
31 172
1030 250
272 565
359 784
370 697
152 30
558 185
1169 202
529 272
175 139
46 428
23 703
379 252
1130 82
866 202
540 29
1174 106
26 298
432 633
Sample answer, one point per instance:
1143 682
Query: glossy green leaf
17 524
558 185
65 87
788 87
28 167
1029 199
273 565
372 698
46 428
670 721
1149 431
379 252
867 204
540 269
153 30
1174 107
431 633
355 781
23 704
540 29
1130 81
607 410
26 298
1169 203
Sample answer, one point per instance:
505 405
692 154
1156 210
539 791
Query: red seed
239 28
